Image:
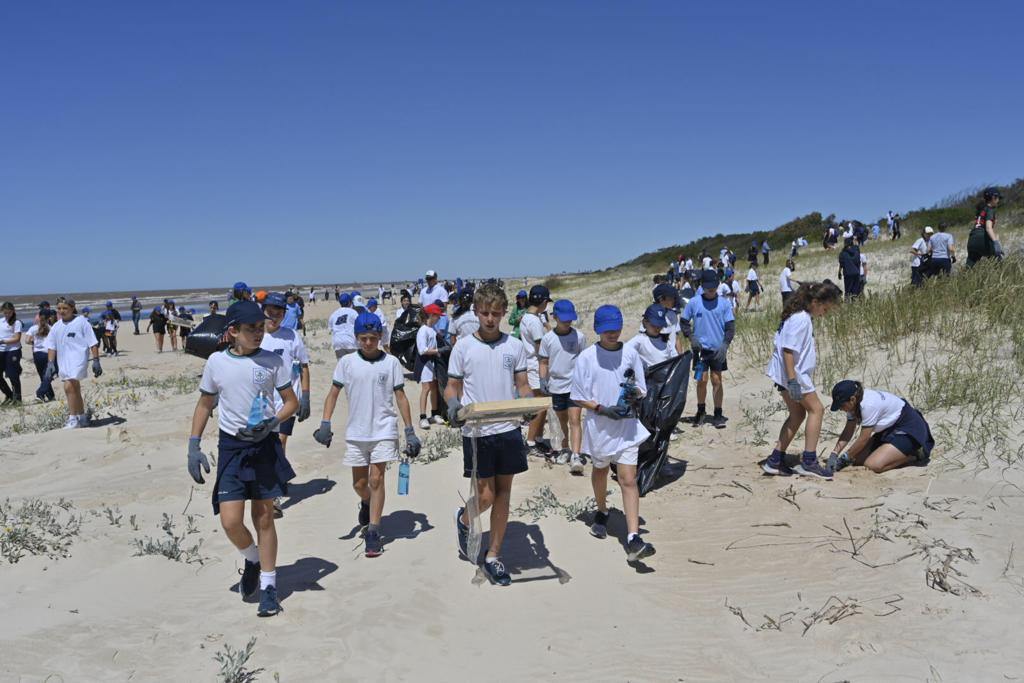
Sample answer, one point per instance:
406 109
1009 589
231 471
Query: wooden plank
499 411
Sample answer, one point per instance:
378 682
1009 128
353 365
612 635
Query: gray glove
323 434
837 462
51 371
794 389
412 443
96 369
453 412
259 432
720 354
197 458
611 412
998 249
544 386
303 412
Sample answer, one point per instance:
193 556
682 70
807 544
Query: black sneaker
599 529
638 549
269 606
364 514
374 546
699 419
496 572
462 533
776 466
718 421
250 581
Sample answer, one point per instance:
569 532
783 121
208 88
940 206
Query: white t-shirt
784 284
38 343
385 338
429 295
561 350
72 342
8 330
652 350
370 387
426 339
797 334
487 371
921 245
688 265
465 325
879 410
237 380
343 328
940 244
751 275
531 331
110 325
597 377
705 263
289 346
672 330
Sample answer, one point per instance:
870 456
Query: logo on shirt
260 376
342 319
71 334
508 362
382 379
279 352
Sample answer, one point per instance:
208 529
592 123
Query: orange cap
261 295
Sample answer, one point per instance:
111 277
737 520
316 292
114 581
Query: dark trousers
45 388
10 363
136 316
851 285
916 278
765 257
941 265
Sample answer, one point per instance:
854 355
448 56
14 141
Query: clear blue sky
332 141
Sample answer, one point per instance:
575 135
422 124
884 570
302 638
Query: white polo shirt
287 344
561 350
237 380
370 387
8 330
597 377
652 350
879 410
342 324
487 371
71 341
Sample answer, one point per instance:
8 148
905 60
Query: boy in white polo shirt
559 349
72 340
653 344
341 324
611 434
531 331
489 366
373 384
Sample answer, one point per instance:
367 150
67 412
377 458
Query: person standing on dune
72 340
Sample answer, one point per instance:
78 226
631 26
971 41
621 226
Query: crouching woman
893 433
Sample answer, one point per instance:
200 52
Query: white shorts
427 373
70 368
362 453
533 375
623 457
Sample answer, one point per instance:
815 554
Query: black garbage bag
659 411
403 338
208 337
441 365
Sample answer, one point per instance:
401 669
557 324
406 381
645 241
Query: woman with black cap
983 242
893 433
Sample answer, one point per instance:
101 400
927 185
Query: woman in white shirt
36 336
893 433
753 288
10 354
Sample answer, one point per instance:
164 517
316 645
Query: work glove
96 369
837 462
695 349
720 354
259 432
611 412
795 391
51 371
303 412
997 248
544 386
197 458
323 434
453 412
412 443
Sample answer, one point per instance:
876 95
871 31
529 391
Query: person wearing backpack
849 269
920 263
983 242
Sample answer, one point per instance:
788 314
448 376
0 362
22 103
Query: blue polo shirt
708 318
291 316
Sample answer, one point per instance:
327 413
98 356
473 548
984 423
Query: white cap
928 230
431 274
358 301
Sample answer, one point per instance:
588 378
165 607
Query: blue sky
335 141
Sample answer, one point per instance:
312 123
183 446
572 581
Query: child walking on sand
10 354
557 356
792 369
37 335
607 375
251 463
373 384
72 340
426 349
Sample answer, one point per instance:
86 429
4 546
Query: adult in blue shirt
292 314
710 325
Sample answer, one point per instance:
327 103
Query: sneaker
278 512
84 421
424 423
496 573
72 422
563 457
462 534
250 581
838 462
374 546
777 466
812 468
718 421
535 451
699 419
438 420
599 529
638 549
575 464
364 514
269 606
544 446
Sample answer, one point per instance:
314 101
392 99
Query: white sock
531 444
491 558
268 579
251 553
629 539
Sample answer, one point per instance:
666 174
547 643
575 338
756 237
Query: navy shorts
267 484
287 426
503 453
710 363
561 402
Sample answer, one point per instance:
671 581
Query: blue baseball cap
564 310
607 318
367 322
276 299
244 313
156 309
371 302
521 294
345 299
728 274
709 279
663 290
86 309
657 315
110 304
241 286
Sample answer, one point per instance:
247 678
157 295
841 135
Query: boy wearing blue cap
709 323
288 345
251 464
608 381
373 384
559 349
653 344
373 307
341 323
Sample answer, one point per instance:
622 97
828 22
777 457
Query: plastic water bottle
257 409
403 478
625 394
698 369
296 370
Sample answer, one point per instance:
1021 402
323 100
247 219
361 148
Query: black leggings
40 358
11 366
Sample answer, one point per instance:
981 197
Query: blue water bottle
403 478
256 409
698 369
624 406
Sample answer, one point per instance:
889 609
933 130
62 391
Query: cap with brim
607 318
433 309
367 322
842 392
708 279
275 299
540 294
240 286
928 230
245 313
430 274
521 294
657 315
564 310
663 290
371 302
344 299
358 302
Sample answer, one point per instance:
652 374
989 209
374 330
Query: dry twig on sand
789 495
